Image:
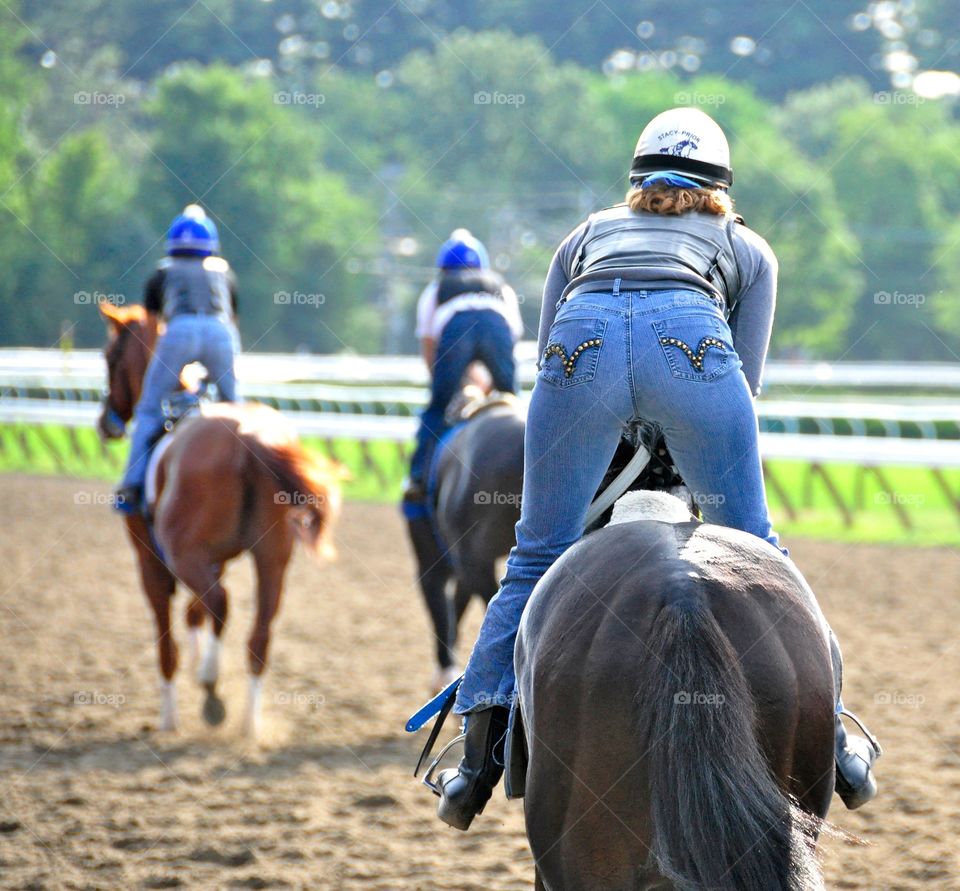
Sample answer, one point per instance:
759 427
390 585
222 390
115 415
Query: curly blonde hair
674 200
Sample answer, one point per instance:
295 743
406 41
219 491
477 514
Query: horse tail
720 820
307 483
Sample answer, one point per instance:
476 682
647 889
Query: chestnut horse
232 478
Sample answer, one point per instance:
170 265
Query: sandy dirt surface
92 796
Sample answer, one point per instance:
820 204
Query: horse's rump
667 672
233 452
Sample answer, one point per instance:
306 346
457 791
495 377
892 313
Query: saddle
472 400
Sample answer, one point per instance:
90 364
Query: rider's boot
855 783
465 790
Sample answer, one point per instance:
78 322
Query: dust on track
94 797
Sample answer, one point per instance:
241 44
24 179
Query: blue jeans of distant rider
664 356
470 335
188 338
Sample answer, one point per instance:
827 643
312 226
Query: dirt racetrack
92 796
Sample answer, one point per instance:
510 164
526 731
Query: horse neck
140 343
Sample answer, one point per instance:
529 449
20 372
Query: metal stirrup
428 779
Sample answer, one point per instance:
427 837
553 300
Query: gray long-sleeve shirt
751 320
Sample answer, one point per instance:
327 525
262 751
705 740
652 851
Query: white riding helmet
685 141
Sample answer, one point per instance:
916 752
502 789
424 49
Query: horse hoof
214 710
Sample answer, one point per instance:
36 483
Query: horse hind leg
159 586
195 616
204 580
270 556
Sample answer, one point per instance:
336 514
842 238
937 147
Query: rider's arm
512 308
232 279
153 294
752 318
558 277
426 307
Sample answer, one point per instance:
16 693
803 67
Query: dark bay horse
476 504
230 480
676 698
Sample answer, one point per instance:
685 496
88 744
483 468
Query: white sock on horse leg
168 705
210 667
251 721
193 646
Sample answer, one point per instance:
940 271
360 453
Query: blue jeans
470 335
188 338
663 356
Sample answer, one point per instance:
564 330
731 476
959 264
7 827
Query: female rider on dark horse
661 309
195 291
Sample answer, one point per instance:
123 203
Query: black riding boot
855 783
466 789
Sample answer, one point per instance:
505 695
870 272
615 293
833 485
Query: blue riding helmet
462 251
193 234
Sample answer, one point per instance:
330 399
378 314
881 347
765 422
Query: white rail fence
870 454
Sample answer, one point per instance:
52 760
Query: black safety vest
619 239
196 285
455 282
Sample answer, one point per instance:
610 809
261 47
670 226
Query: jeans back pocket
573 350
697 346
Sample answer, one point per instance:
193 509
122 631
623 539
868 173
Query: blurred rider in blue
467 313
194 291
